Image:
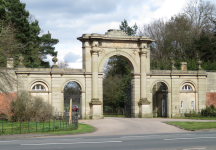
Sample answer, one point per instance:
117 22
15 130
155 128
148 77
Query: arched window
187 88
38 87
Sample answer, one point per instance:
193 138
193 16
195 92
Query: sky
68 19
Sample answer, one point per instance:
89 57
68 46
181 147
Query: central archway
117 87
126 56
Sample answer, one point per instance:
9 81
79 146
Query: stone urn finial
21 58
55 59
199 65
173 65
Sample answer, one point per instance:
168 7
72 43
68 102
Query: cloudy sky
68 19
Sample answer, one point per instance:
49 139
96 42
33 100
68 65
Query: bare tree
202 13
174 38
63 65
8 46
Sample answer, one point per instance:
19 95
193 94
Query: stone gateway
154 92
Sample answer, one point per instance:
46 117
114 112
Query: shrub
3 116
212 106
30 107
191 114
209 112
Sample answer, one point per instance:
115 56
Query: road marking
72 143
56 139
137 136
191 138
10 141
194 148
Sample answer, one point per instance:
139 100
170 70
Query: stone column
144 104
169 105
94 52
96 111
143 57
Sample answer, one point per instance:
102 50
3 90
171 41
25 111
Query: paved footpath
120 126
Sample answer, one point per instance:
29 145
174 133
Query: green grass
121 116
194 125
199 118
35 127
82 128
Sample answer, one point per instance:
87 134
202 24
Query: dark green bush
209 112
212 106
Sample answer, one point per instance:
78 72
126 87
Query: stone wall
211 82
5 101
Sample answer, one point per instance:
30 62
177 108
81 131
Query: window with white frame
181 104
192 104
38 87
187 88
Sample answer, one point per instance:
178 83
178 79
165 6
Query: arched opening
117 95
72 90
160 99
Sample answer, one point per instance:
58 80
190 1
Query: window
181 104
38 87
186 88
192 104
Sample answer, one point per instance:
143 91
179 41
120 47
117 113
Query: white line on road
9 141
194 148
137 136
73 143
191 138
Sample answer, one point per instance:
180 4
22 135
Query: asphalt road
171 141
121 134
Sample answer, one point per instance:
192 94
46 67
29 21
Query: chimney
10 63
184 66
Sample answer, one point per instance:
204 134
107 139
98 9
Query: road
121 134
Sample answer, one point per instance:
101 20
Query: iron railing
190 112
18 125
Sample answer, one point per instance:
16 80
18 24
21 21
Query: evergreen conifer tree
35 47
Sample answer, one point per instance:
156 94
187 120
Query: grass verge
121 116
82 128
194 125
198 118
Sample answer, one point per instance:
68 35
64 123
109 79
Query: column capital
143 51
95 101
144 101
94 49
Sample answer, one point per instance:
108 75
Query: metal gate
128 101
164 105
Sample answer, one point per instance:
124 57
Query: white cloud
66 20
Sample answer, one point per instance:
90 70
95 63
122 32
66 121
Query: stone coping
49 69
177 72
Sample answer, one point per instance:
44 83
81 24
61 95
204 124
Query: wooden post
70 112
